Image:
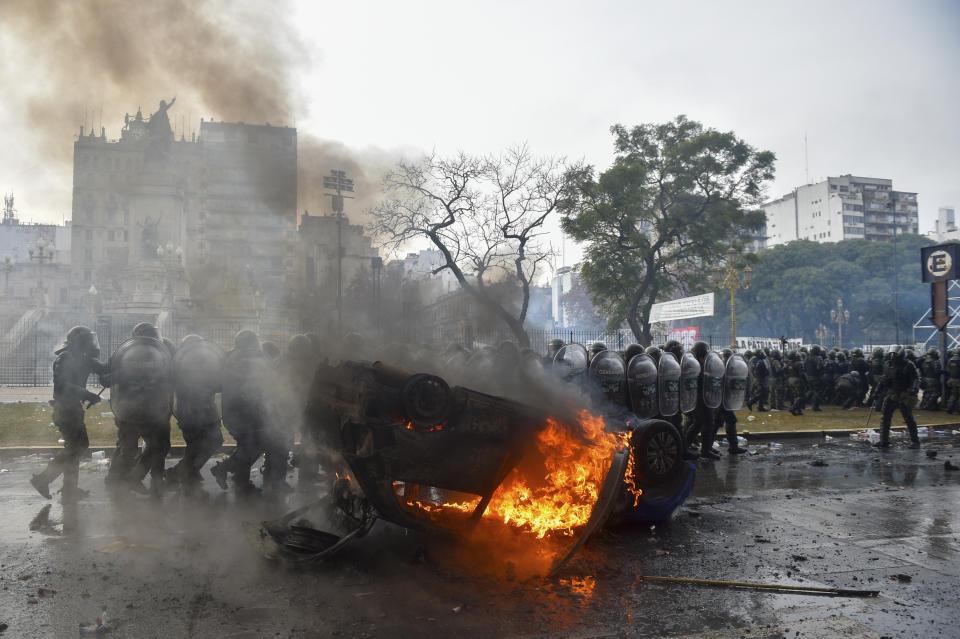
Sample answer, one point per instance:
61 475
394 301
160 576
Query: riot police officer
899 381
703 424
553 347
247 380
142 399
778 380
859 365
728 418
847 389
76 359
813 368
877 363
930 368
828 375
953 382
198 370
760 371
674 347
797 381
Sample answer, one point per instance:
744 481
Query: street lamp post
840 317
821 334
730 278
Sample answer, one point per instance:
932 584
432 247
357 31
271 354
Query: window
63 295
110 236
87 275
89 235
88 255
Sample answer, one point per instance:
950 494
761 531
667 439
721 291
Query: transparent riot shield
570 362
713 370
689 382
609 374
642 377
141 381
668 385
735 383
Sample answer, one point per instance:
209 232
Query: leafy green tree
677 196
795 285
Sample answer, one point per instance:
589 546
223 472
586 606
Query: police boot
41 483
71 491
219 472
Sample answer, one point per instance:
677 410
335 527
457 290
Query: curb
19 451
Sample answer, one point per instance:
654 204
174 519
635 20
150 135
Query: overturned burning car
441 460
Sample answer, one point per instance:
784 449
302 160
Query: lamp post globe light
839 316
730 277
822 332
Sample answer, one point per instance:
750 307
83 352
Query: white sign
687 307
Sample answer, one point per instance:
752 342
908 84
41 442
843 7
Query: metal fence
27 345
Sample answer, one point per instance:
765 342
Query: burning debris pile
444 461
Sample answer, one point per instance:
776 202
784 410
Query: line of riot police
263 394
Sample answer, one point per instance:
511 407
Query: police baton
89 403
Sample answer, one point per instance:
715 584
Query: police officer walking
246 413
797 380
899 382
76 359
778 380
198 370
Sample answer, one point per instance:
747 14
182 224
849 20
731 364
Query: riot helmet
700 350
727 352
654 353
933 352
82 340
674 347
878 351
632 351
597 347
897 353
553 346
145 329
246 340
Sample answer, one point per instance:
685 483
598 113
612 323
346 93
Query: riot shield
198 368
642 384
735 383
713 370
141 381
689 381
570 361
609 374
668 385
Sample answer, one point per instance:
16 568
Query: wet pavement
183 568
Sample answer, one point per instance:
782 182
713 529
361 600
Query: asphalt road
185 569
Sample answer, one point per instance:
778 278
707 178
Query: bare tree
485 215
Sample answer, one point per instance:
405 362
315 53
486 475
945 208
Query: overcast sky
873 85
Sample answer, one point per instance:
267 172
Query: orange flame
561 498
554 489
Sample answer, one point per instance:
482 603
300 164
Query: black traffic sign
939 262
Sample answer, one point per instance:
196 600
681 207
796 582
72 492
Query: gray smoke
70 63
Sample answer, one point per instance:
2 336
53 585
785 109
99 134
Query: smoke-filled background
67 64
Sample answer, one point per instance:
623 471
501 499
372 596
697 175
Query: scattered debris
32 600
931 454
25 577
458 609
902 578
799 557
948 466
803 590
3 627
819 463
46 592
98 625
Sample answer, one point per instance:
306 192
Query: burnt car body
409 441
